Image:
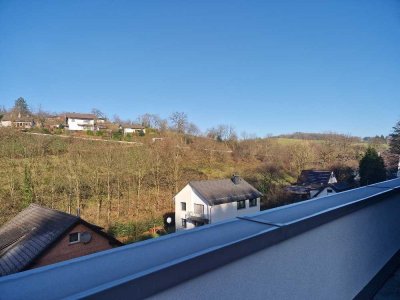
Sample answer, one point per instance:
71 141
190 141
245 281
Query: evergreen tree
372 168
395 139
21 106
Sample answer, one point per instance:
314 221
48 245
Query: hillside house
316 183
210 201
17 120
40 236
132 128
79 122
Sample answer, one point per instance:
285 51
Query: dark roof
313 177
296 189
221 191
341 186
31 232
17 117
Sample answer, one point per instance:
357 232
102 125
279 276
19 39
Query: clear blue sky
262 66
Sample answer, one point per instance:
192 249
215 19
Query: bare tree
179 121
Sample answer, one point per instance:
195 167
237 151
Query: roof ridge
52 209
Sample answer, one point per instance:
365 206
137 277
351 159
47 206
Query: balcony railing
191 215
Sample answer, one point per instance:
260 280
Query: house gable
32 232
62 249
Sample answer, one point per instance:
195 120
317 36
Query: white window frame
77 241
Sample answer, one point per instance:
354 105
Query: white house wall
188 196
229 210
80 124
5 123
133 130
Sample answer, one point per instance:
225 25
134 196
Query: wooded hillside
127 188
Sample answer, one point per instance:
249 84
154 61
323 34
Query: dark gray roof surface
221 191
28 234
341 186
313 177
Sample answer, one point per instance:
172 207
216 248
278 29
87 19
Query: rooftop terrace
336 247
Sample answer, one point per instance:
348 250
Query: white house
17 121
210 201
79 122
132 128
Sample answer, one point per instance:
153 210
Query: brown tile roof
80 116
133 126
17 118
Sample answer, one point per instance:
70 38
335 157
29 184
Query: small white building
209 201
17 120
79 122
132 128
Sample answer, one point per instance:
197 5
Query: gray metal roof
221 191
28 234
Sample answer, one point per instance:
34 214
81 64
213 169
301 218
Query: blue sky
265 67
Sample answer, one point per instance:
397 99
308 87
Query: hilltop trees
372 168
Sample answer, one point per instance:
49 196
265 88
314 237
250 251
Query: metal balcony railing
191 215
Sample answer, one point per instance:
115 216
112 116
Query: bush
45 131
118 135
58 131
99 133
135 231
89 132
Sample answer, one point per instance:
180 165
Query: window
241 204
329 190
184 223
74 238
253 202
183 206
199 209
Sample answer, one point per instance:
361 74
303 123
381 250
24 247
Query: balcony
341 246
197 217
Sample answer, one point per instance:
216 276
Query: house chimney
235 179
